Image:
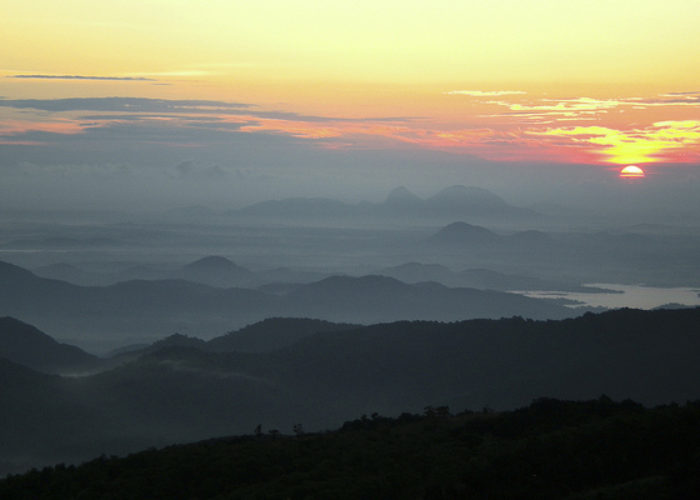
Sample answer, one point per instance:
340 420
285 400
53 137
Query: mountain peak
401 195
461 232
212 262
467 195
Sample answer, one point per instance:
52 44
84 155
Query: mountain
273 333
137 311
211 270
181 392
416 272
52 419
466 198
26 345
216 271
402 198
461 233
485 279
178 340
264 336
283 275
371 299
454 201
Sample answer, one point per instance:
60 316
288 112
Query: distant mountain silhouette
264 336
24 344
467 198
461 233
401 197
273 333
282 276
379 298
414 272
136 311
485 278
211 270
216 271
454 201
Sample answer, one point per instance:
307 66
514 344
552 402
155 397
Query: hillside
182 392
549 450
140 311
273 333
26 345
215 271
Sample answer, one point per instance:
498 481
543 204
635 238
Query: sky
273 98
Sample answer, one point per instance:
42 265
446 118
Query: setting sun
631 172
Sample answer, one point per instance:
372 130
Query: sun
631 172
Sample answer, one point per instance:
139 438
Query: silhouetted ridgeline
138 310
549 450
185 389
26 345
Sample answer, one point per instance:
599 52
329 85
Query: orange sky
610 83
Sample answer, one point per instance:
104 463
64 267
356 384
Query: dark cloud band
85 77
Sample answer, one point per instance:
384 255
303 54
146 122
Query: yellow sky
362 41
367 58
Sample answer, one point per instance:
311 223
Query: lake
635 296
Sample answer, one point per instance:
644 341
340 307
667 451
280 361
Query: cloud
136 106
84 77
485 93
127 104
582 106
579 104
663 141
681 94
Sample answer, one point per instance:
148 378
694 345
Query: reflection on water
637 296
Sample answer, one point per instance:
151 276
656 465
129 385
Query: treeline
551 449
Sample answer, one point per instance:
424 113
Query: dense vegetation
551 449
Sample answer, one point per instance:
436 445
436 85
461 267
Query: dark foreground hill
184 392
549 450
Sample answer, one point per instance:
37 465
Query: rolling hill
104 318
181 392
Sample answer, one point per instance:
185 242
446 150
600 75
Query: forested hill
549 450
183 392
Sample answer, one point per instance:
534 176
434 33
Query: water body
635 296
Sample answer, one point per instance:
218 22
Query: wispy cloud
485 93
682 94
567 107
84 77
532 127
663 141
126 104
